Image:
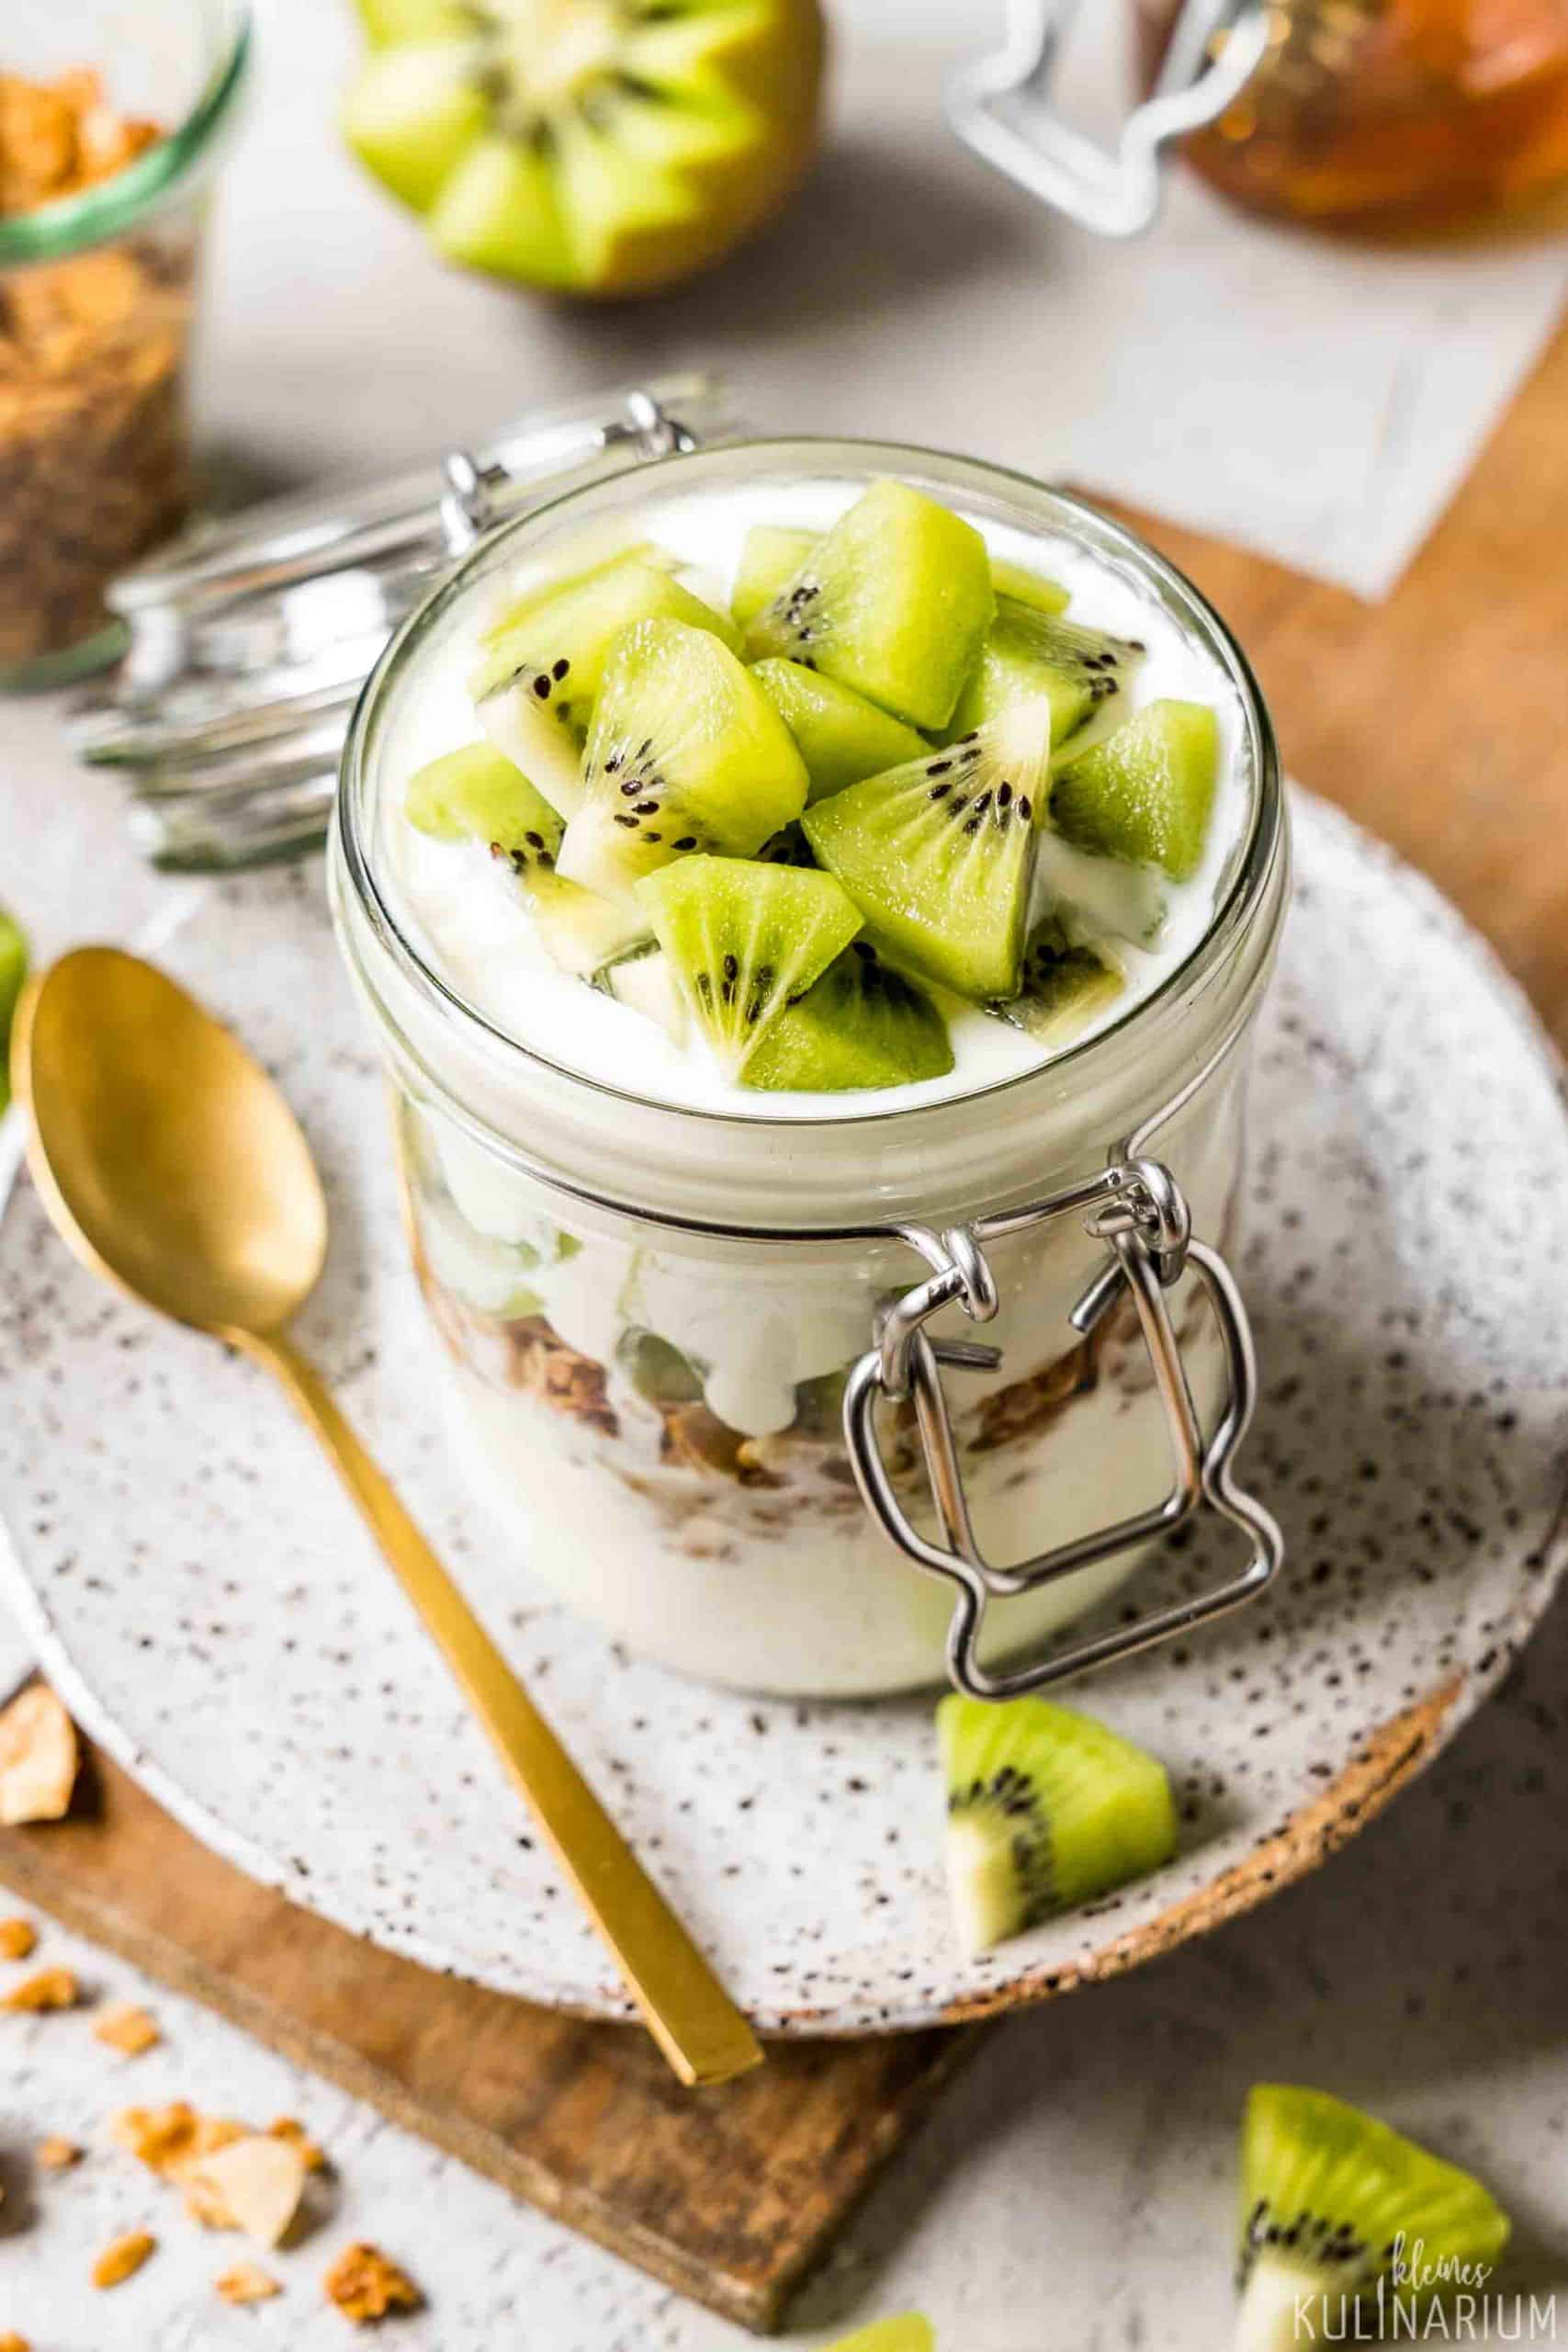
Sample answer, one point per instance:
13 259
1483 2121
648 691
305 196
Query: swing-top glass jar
714 1364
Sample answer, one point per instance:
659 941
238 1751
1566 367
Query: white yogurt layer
470 917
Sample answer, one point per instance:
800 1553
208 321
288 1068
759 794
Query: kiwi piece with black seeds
1030 653
746 941
477 794
1064 985
862 1025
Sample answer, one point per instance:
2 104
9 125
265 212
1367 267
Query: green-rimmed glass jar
97 302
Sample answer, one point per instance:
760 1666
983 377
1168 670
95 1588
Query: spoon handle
691 2018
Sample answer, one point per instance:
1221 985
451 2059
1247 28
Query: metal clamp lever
1139 1210
475 495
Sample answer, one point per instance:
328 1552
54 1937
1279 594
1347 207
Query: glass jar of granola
110 122
691 1351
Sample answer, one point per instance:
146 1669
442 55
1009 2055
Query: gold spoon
173 1168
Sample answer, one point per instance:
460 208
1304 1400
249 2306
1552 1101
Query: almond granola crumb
247 2282
17 1939
51 1988
55 2154
122 2260
363 2285
128 2028
255 2184
289 2128
39 1758
170 2140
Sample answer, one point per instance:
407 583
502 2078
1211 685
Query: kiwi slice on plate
581 932
1333 2203
893 600
939 854
862 1025
1145 793
771 555
476 794
1045 1808
745 940
686 753
1063 986
1030 653
911 2332
842 736
535 689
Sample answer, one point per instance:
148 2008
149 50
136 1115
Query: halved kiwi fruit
893 600
771 555
686 753
603 147
911 2332
535 688
939 856
862 1025
1333 2203
745 940
477 794
1063 986
842 737
1046 1809
1146 792
1030 653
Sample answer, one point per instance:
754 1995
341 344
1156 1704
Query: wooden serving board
1441 721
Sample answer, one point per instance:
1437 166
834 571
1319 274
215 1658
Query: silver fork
1002 108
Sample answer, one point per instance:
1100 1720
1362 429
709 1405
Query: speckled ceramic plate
207 1604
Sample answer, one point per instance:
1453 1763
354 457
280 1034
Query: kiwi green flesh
1026 587
1062 987
893 600
771 555
477 794
1046 1809
1147 793
686 755
1030 653
939 856
581 933
910 2332
657 1371
841 736
1330 2198
862 1025
746 940
13 973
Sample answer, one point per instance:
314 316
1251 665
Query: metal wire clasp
469 505
1139 1210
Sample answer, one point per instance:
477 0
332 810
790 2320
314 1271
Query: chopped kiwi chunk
1046 1809
646 553
686 753
771 555
1145 793
1063 986
538 686
647 984
862 1025
1026 587
580 932
13 973
841 736
939 856
477 794
746 940
788 846
1030 653
1331 2202
893 600
911 2332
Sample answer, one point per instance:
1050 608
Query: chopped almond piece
55 2154
256 2182
363 2285
246 2283
17 1939
51 1988
38 1757
122 2260
126 2027
287 2127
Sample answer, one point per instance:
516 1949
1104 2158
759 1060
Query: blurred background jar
1400 114
112 114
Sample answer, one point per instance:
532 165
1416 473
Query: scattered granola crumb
255 2184
289 2128
17 1939
247 2282
122 2260
39 1758
171 2140
51 1988
363 2285
126 2027
56 2154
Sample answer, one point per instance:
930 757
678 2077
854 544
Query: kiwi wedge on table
475 793
893 600
1334 2204
600 147
686 753
939 856
538 684
771 555
1029 652
1063 986
841 736
911 2332
1145 793
13 973
862 1025
1046 1809
745 940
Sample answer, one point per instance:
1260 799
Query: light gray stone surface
1074 2192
